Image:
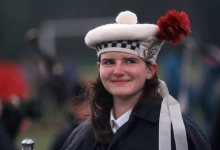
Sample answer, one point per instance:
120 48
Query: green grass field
42 133
44 130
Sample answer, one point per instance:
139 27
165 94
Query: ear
151 70
98 65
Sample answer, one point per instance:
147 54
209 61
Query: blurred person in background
214 137
18 109
208 93
57 75
58 84
6 142
130 107
205 95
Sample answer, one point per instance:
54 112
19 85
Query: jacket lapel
119 132
149 112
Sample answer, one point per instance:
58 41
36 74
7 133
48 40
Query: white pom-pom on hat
126 17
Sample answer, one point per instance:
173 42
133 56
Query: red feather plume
173 26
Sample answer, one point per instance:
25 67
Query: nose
118 70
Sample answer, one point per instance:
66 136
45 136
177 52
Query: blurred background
44 63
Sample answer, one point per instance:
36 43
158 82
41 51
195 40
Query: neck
122 105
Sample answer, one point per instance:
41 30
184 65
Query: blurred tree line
16 17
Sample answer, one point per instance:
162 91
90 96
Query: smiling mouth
120 81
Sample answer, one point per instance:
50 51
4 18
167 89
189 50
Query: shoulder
81 138
195 136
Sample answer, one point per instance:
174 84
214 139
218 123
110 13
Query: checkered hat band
128 44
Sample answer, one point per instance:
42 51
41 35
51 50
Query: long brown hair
101 103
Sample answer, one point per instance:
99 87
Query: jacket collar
151 110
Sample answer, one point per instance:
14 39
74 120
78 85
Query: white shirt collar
115 124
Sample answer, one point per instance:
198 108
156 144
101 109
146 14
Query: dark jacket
139 133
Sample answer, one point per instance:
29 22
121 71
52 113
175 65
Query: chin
124 93
121 94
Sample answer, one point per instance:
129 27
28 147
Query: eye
130 61
108 62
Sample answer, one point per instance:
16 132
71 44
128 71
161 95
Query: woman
131 109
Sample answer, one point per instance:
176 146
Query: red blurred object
173 26
12 81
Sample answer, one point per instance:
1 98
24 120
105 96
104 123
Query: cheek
140 72
104 74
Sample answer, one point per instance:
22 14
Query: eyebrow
126 58
130 58
106 59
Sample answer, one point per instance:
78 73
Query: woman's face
123 74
